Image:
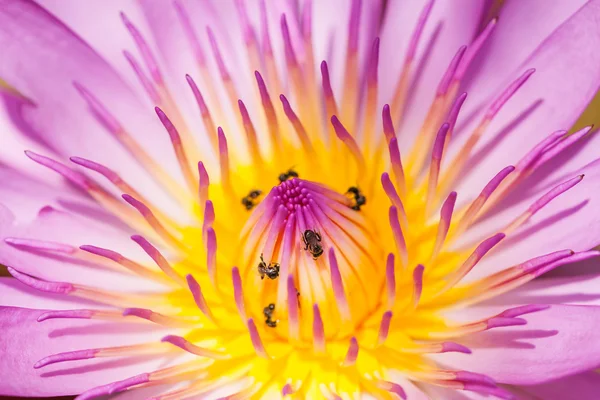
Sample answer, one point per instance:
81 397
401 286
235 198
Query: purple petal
21 352
42 60
585 386
556 342
567 77
570 221
458 22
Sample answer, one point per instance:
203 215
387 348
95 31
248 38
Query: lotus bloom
222 215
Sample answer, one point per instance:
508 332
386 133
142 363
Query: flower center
303 244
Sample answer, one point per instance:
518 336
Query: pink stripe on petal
76 314
223 157
189 31
338 287
157 318
192 348
293 311
297 124
499 322
554 192
352 353
114 387
414 40
434 166
390 191
290 54
507 94
451 347
388 124
196 290
330 103
99 111
562 145
453 115
203 184
144 80
417 283
529 159
384 327
522 310
398 235
151 219
275 231
198 96
159 259
238 293
390 281
287 390
373 64
256 341
43 245
348 140
211 254
44 286
474 49
208 217
318 330
481 250
144 50
67 356
495 182
584 255
392 388
444 223
353 25
217 54
73 176
397 165
101 169
450 72
178 147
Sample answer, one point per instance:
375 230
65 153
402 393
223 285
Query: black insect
250 201
268 313
268 310
272 324
358 197
312 243
284 176
271 270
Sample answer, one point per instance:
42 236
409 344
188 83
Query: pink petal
26 195
585 386
108 38
42 58
173 45
458 21
330 23
570 221
555 343
437 392
62 227
412 391
567 77
583 289
24 341
15 294
515 37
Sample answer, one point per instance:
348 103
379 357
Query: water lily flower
214 212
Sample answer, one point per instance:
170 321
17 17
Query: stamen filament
318 330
